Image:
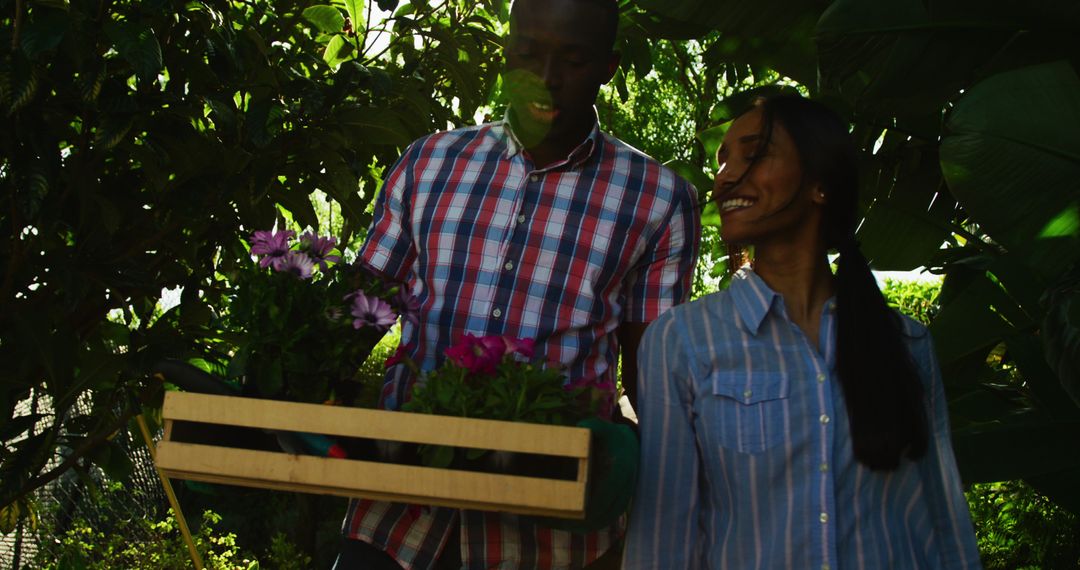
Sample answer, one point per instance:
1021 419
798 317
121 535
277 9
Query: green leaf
327 19
701 181
907 221
44 31
1020 446
337 50
298 203
371 125
971 321
137 44
711 138
114 461
355 8
1012 158
1061 334
9 516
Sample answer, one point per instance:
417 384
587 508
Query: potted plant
493 377
496 378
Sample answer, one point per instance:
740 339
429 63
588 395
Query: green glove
613 470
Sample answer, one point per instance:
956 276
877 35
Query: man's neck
551 150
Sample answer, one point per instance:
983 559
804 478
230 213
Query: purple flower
409 306
272 245
319 248
371 312
295 262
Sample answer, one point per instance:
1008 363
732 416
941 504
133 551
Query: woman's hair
882 389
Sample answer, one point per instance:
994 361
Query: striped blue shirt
747 459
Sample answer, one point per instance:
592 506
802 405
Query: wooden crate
374 479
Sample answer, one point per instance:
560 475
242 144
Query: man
539 226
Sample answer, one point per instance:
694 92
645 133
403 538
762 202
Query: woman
794 420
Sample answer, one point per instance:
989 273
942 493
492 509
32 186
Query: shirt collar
753 298
575 159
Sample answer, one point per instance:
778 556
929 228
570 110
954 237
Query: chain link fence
84 499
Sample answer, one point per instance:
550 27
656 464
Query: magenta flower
319 248
478 355
295 262
271 245
371 312
399 355
524 346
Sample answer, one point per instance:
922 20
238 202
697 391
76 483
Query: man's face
557 57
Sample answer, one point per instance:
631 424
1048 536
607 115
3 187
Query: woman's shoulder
689 320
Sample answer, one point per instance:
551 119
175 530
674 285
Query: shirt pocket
745 412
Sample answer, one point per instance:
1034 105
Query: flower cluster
276 250
482 355
494 377
304 321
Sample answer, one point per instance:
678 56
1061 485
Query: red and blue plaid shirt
491 245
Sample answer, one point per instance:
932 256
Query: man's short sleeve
662 277
389 248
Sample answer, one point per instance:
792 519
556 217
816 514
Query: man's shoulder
455 137
620 152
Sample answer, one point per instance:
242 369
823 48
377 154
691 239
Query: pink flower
399 355
371 312
319 248
295 262
272 245
478 355
524 346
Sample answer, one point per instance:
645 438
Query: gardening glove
613 469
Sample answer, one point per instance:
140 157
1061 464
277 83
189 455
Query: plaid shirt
491 245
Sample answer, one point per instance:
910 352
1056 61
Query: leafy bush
1018 528
159 546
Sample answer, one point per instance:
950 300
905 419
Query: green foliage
916 299
142 141
161 545
1018 528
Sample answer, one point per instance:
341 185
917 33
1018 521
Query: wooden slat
351 478
378 424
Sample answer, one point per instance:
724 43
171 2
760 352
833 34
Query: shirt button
521 218
747 394
823 467
824 419
509 265
824 567
820 378
496 313
534 177
824 517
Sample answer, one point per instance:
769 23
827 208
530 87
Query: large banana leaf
909 56
1011 156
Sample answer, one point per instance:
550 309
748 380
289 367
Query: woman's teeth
735 204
